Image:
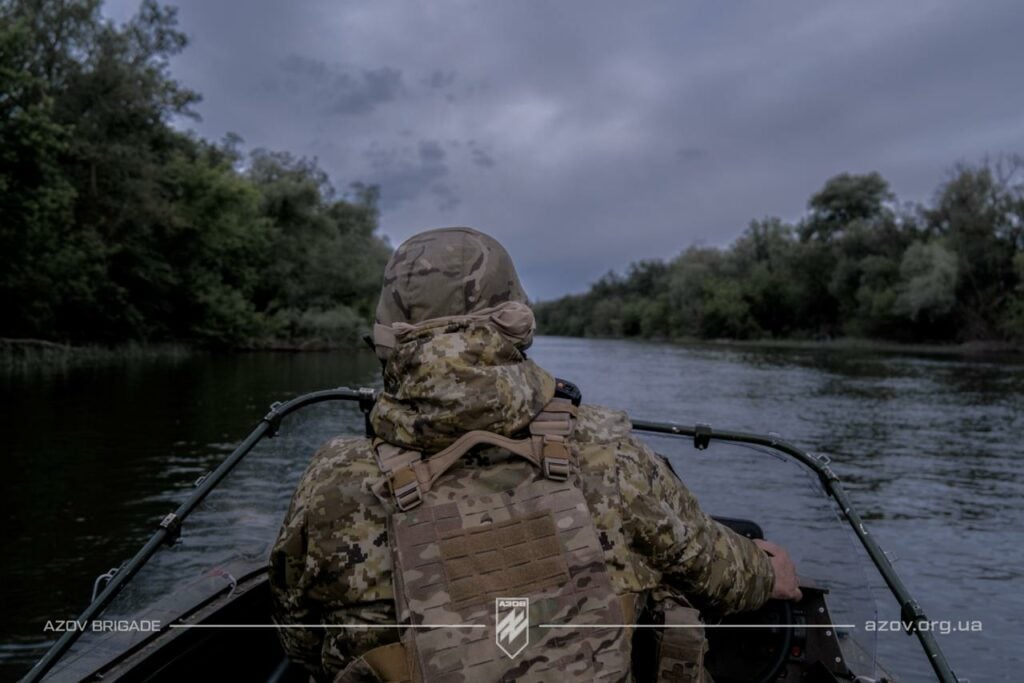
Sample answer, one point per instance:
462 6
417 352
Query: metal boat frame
169 528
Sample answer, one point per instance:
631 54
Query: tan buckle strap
549 430
406 489
554 457
556 469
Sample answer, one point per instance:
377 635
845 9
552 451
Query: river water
927 447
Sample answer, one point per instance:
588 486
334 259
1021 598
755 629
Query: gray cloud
617 140
407 173
480 156
340 91
431 153
440 79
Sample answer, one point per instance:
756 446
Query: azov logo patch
512 624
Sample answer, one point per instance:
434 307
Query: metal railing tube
910 610
170 525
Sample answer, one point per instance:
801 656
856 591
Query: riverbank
991 349
18 355
974 349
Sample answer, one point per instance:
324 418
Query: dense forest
858 264
117 226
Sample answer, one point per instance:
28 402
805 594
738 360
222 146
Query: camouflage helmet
446 272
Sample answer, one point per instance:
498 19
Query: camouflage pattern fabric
512 319
332 563
446 272
441 382
470 543
679 651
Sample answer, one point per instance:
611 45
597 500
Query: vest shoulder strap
409 475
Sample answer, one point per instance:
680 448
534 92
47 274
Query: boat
204 613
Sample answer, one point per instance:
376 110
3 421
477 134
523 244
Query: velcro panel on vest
520 556
450 563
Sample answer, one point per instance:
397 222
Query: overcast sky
585 135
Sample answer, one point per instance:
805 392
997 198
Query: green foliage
1013 324
117 227
726 313
855 265
928 276
979 214
846 200
327 251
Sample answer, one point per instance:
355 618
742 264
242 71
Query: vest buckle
556 469
554 457
406 489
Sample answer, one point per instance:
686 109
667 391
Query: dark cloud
440 79
431 153
617 140
480 156
445 195
406 173
341 91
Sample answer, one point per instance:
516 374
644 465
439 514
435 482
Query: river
929 449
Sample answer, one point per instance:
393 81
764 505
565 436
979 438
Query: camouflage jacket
332 562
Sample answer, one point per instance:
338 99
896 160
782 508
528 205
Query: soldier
485 480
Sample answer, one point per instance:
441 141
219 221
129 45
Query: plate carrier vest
458 546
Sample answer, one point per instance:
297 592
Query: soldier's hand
786 586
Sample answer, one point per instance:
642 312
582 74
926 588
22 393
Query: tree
36 199
98 98
928 281
116 225
1013 324
325 275
763 258
845 199
977 214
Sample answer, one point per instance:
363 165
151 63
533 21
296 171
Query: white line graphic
696 626
326 626
517 627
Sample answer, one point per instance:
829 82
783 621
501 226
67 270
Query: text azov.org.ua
943 626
